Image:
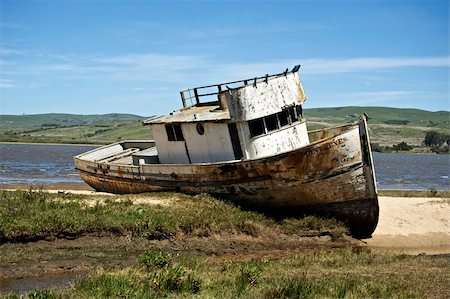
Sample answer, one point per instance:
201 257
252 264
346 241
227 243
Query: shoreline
68 187
51 143
429 152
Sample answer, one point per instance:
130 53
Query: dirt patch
87 253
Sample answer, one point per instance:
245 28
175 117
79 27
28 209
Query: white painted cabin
264 117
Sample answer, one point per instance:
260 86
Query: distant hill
61 119
72 128
388 126
381 115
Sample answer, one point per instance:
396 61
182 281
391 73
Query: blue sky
95 57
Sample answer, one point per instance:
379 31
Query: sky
97 57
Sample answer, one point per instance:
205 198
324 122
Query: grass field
388 126
168 245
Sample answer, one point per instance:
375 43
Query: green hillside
388 126
71 128
61 119
381 115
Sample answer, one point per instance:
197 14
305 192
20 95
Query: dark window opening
200 129
275 121
256 127
283 116
174 133
170 133
293 114
178 132
299 109
271 122
234 135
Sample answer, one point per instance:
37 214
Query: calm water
49 164
39 164
412 171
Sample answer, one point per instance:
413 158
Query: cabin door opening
237 149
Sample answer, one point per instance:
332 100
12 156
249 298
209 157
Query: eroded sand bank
413 225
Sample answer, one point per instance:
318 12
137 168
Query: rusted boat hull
332 176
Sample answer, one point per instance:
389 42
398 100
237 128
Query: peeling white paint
251 102
283 140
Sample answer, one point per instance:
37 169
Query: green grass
339 273
35 215
316 272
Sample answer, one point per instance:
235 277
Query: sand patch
413 225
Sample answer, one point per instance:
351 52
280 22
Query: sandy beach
413 225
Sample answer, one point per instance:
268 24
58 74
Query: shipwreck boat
247 142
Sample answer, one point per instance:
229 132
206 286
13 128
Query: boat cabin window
271 122
283 117
174 132
293 114
299 110
256 127
275 121
200 129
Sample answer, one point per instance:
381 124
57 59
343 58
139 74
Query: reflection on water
39 164
42 164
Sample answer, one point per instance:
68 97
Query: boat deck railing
192 96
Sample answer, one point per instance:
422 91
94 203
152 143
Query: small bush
396 122
402 146
248 275
174 279
156 259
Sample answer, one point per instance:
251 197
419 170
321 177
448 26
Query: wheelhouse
239 120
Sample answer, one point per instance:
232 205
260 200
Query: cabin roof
192 114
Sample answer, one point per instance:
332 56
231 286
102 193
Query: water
39 164
42 282
42 164
412 171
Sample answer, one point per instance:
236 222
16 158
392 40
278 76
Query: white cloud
192 70
327 66
7 51
4 83
335 66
